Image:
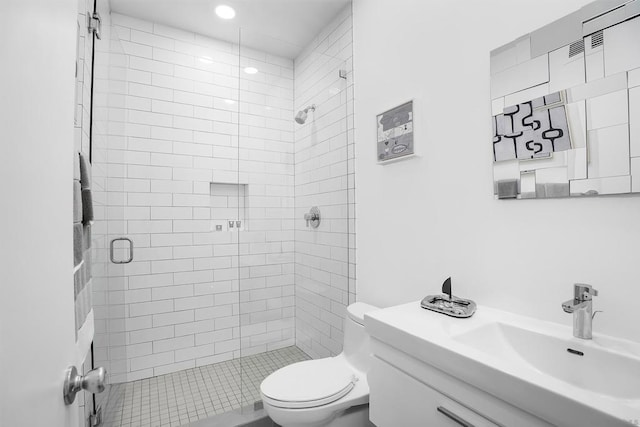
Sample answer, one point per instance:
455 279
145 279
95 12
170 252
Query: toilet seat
308 384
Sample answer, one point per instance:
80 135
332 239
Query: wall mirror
565 103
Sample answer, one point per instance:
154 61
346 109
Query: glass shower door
295 134
266 241
168 171
109 283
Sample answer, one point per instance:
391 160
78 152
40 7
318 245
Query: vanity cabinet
396 399
407 392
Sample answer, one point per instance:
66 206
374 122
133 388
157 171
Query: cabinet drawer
396 399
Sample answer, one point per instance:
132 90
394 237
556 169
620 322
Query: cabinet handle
447 413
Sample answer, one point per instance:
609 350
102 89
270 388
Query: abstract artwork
532 129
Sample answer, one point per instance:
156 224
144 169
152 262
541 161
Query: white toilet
325 392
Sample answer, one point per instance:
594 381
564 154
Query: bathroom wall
434 216
175 127
324 178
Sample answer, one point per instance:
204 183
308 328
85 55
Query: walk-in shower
197 163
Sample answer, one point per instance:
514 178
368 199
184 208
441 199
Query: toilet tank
356 339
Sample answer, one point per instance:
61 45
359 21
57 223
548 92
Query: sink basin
586 365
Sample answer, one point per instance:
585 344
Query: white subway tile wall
191 145
324 154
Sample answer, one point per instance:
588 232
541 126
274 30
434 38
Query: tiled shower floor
183 397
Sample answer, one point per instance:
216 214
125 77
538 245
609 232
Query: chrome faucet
582 308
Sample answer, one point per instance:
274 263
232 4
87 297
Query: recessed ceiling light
225 12
229 101
206 59
251 70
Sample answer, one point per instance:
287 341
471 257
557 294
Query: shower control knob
93 382
313 217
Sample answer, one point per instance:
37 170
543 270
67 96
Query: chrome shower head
301 117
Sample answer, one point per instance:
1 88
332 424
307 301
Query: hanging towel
78 244
77 201
82 219
85 173
85 184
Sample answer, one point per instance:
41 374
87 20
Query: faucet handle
584 292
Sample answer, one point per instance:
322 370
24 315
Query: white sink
601 370
522 361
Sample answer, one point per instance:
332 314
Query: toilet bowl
325 392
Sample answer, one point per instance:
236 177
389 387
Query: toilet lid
308 384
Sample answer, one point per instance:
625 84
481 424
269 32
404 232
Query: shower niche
228 207
565 105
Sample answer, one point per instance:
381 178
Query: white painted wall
424 219
37 340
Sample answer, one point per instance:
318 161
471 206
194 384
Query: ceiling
279 27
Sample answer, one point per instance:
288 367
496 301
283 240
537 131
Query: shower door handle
112 251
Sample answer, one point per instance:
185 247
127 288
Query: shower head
301 117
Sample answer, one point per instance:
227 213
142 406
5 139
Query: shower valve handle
310 217
313 217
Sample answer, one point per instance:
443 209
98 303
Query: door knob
93 382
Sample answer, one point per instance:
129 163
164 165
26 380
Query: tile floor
183 397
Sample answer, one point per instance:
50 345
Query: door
37 326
